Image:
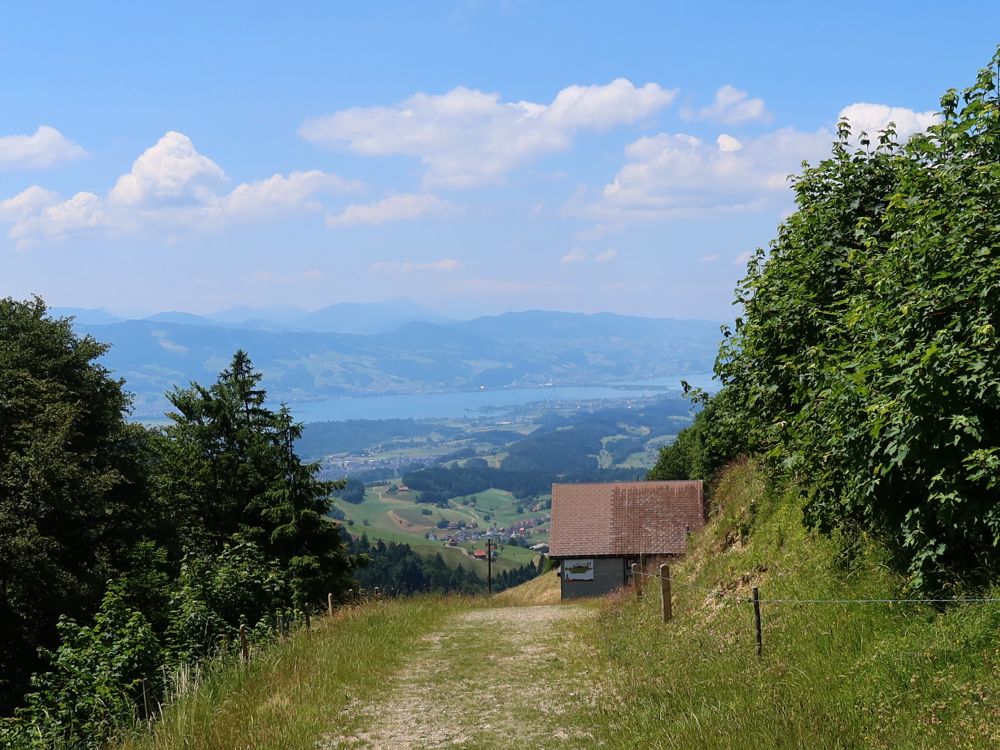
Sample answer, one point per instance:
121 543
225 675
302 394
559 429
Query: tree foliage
94 684
72 496
164 541
867 362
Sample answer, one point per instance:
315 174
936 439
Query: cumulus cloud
402 207
40 213
677 174
171 172
280 194
466 137
394 266
170 185
669 175
43 148
576 255
732 106
27 202
606 257
872 118
728 143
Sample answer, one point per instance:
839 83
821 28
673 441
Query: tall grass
831 676
290 694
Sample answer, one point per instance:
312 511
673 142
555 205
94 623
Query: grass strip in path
490 678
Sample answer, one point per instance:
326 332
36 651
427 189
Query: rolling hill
514 350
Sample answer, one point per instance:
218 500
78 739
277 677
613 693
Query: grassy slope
543 589
832 676
836 676
375 511
287 696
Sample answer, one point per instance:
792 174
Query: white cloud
872 118
171 172
84 211
576 255
670 175
313 274
169 185
732 106
279 194
710 258
607 256
26 203
466 136
742 259
395 266
728 143
43 148
395 208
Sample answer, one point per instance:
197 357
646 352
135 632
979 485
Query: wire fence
737 598
724 598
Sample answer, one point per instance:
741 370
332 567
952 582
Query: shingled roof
624 518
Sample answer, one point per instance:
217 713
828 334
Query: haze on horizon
473 157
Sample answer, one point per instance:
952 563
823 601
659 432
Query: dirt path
491 678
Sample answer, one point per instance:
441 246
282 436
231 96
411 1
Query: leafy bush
93 683
868 363
215 595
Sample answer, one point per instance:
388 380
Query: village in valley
453 486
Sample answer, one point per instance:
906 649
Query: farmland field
398 518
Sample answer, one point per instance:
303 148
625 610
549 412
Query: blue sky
474 156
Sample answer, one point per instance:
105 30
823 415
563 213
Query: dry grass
543 589
293 693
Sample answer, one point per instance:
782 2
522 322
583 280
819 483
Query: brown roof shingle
624 518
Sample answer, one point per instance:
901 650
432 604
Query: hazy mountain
85 316
367 317
181 317
283 314
512 350
344 317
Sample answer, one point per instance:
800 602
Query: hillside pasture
384 516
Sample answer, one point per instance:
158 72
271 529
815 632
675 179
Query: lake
443 405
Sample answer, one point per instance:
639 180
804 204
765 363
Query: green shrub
867 364
93 685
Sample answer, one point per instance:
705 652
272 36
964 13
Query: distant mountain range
391 351
345 317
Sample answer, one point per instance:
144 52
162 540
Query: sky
475 157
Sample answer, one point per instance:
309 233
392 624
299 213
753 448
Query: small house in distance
599 530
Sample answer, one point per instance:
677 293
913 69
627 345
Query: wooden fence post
756 617
329 604
243 643
665 604
636 580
